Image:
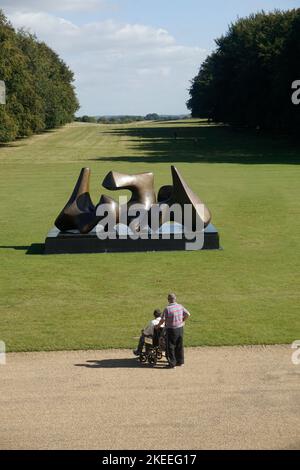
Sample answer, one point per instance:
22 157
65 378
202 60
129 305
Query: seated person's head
157 313
171 298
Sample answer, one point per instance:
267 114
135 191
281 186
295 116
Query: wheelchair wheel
143 357
159 355
152 360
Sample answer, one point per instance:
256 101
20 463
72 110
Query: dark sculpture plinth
58 242
174 219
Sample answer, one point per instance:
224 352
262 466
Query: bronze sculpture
181 193
81 214
141 187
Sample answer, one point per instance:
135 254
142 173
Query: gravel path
229 397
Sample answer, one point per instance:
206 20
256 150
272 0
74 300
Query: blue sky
133 56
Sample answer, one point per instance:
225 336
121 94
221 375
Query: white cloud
119 68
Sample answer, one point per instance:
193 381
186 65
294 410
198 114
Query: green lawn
246 293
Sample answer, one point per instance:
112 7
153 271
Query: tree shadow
117 364
9 144
205 144
33 249
19 141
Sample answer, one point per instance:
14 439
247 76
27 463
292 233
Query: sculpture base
73 242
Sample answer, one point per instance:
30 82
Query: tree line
247 80
122 119
126 119
39 85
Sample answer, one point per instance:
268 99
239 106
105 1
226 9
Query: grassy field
247 293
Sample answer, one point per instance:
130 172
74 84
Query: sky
132 56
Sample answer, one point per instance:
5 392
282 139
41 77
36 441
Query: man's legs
171 344
179 351
139 349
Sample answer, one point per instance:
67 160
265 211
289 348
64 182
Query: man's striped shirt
174 315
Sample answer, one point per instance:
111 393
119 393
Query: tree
40 93
86 118
247 80
151 117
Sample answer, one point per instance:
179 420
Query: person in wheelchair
150 332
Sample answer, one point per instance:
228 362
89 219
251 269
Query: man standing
174 316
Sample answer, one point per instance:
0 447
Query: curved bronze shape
112 204
141 186
165 193
80 213
181 193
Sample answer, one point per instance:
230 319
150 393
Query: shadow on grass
23 140
117 364
34 249
207 144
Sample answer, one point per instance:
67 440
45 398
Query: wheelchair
154 347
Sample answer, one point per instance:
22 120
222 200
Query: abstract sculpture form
141 187
76 225
80 213
181 193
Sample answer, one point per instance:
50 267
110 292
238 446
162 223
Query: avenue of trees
247 80
39 90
